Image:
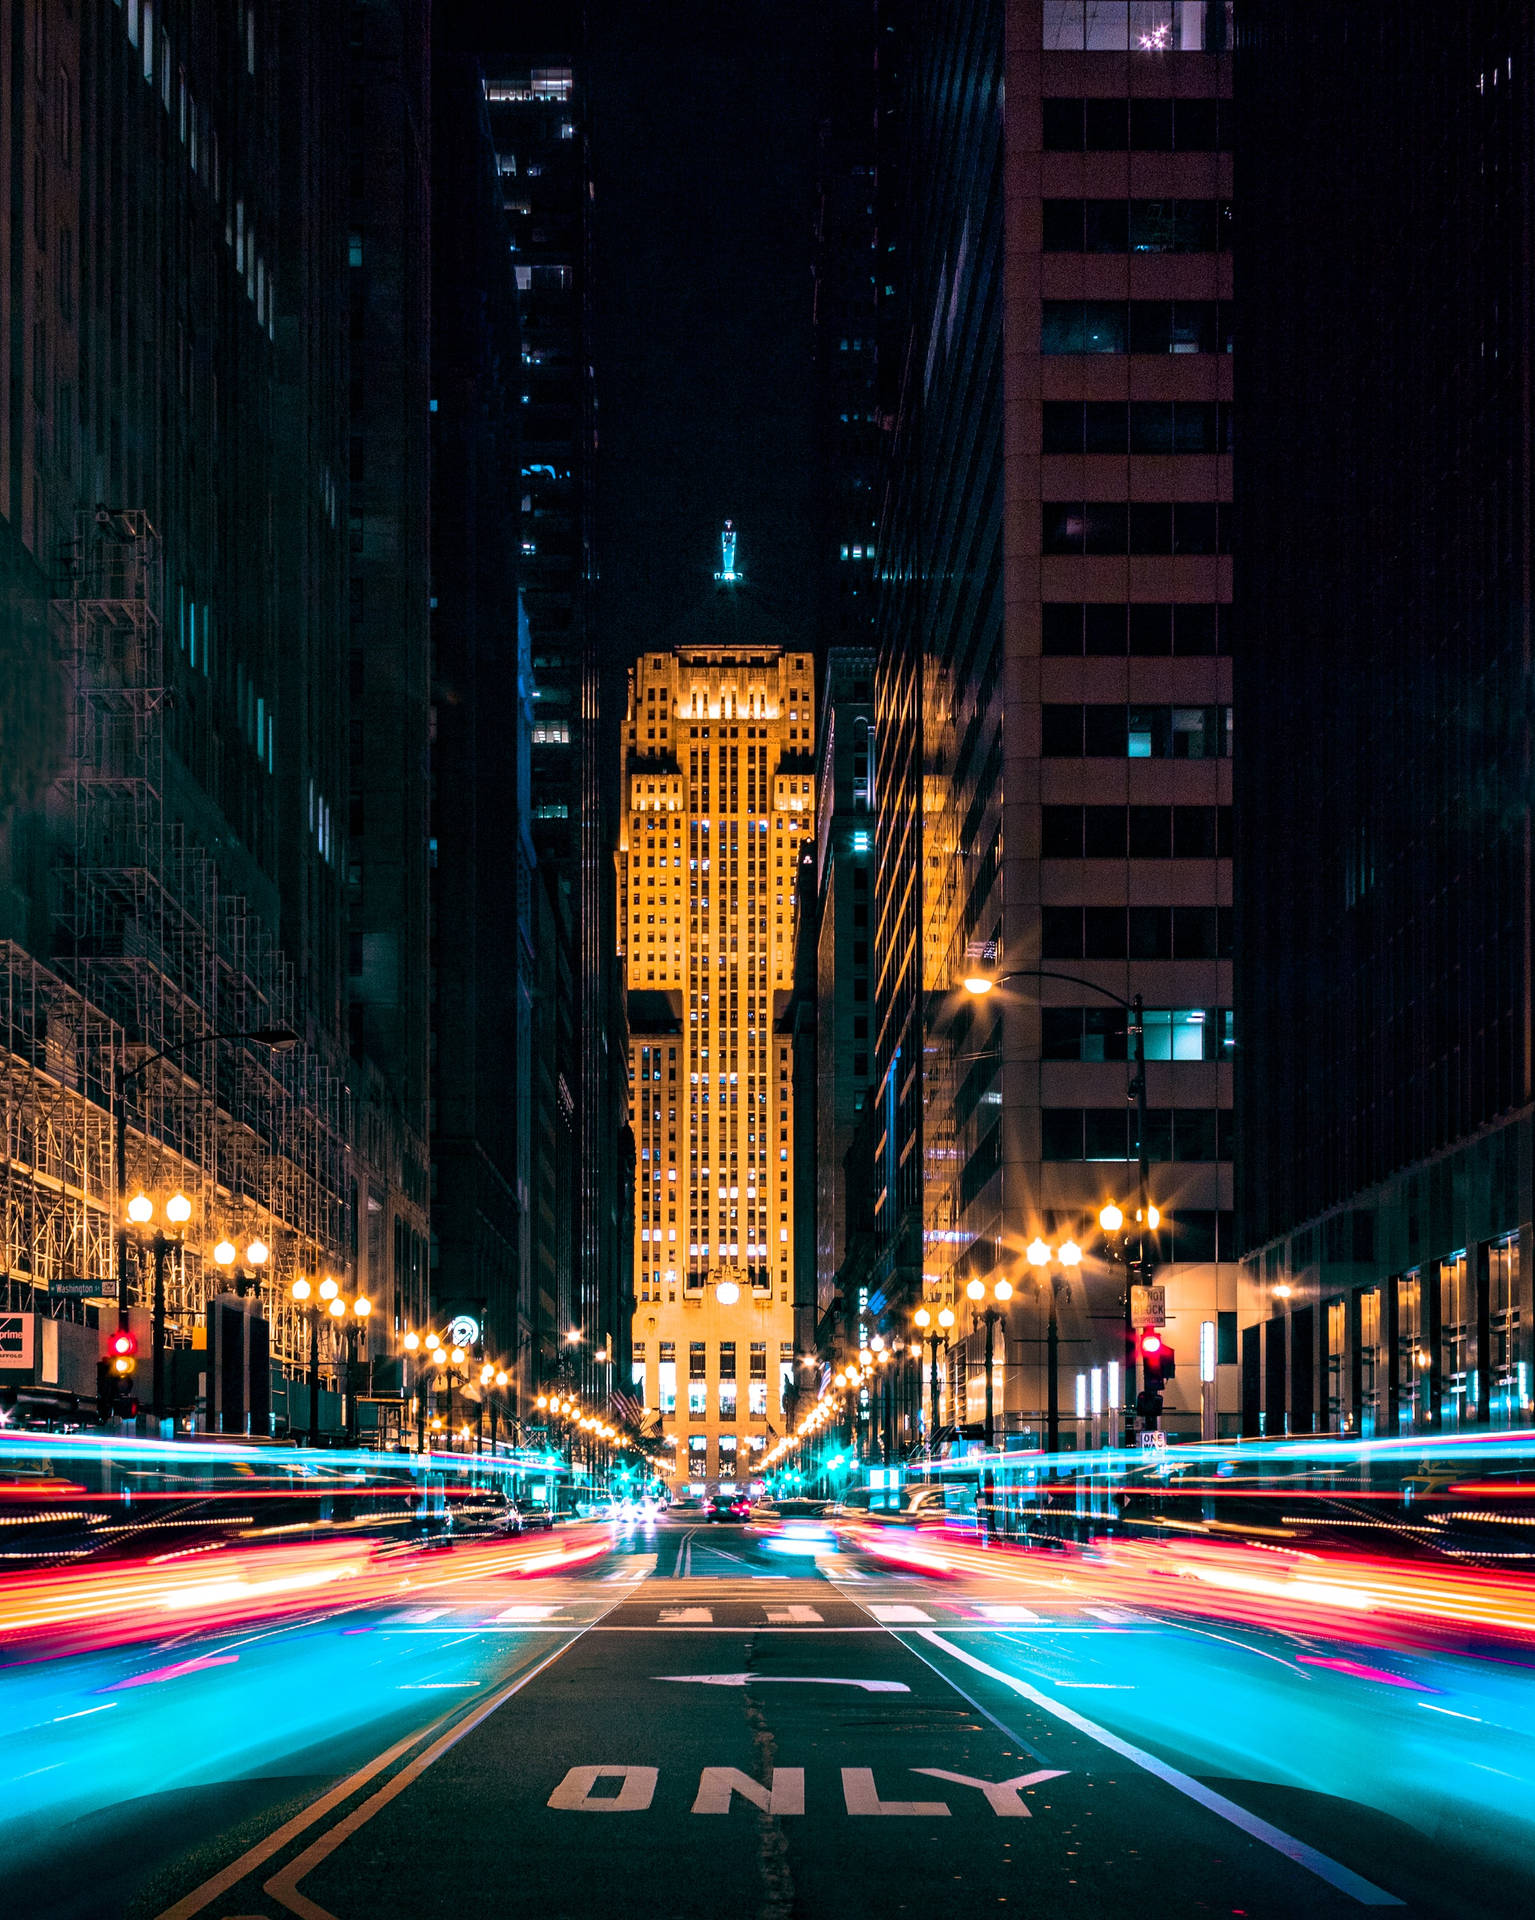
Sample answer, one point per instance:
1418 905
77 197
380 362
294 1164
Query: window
1093 526
1137 426
697 1385
1092 1034
1135 326
1119 26
1136 733
1135 933
1070 628
1136 226
1188 1134
1109 126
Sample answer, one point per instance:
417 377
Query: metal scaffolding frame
152 960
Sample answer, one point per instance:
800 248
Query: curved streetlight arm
1135 1006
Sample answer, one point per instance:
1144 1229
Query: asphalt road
697 1726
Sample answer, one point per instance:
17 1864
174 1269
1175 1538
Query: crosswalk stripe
795 1616
687 1616
902 1616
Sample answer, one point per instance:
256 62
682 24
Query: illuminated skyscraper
718 794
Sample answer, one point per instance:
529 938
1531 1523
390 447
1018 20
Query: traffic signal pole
1142 1269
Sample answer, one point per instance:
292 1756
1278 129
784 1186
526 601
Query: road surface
696 1725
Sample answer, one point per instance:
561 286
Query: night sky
704 154
704 121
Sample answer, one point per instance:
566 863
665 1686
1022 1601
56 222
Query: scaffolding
155 970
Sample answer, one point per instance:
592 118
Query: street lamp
141 1211
922 1319
980 984
302 1292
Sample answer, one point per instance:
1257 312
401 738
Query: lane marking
258 1855
901 1616
862 1799
795 1616
525 1611
778 1680
1332 1871
283 1886
687 1616
433 1686
1114 1616
415 1616
1007 1614
1004 1797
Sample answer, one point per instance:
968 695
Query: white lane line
778 1680
415 1616
1332 1871
687 1616
1114 1617
1007 1614
795 1616
525 1611
433 1686
901 1616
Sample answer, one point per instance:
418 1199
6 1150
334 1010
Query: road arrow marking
779 1680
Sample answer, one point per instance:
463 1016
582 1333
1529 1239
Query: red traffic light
1151 1344
124 1346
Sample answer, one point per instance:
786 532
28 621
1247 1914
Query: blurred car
910 1506
735 1507
795 1526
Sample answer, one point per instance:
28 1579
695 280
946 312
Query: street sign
1148 1306
1154 1442
83 1286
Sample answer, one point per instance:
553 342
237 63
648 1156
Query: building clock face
463 1330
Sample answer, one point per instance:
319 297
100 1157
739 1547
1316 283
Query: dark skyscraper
1052 701
1383 781
182 514
539 121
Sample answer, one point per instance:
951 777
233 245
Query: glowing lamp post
141 1213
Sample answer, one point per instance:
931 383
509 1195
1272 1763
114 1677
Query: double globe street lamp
141 1213
979 985
327 1301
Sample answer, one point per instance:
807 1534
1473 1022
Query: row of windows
1119 526
1135 933
1092 1034
1136 326
1135 733
1108 1133
1137 226
1137 126
1135 426
1150 27
1135 833
1149 630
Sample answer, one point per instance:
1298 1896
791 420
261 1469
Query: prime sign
627 1789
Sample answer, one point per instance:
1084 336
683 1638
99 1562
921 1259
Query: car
795 1526
910 1506
735 1507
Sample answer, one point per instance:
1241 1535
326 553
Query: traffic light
1160 1364
123 1349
